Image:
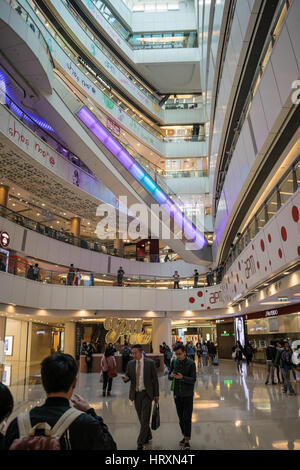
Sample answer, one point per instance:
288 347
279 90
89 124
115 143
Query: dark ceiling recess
80 53
256 46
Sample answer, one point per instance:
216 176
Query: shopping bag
101 378
155 422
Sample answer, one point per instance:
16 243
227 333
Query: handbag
155 422
111 371
233 355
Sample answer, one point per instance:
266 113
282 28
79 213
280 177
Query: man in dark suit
144 389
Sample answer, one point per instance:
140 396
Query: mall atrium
149 193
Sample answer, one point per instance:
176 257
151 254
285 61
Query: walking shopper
248 353
176 278
199 353
36 272
120 276
286 366
270 355
126 352
212 351
190 350
279 349
183 376
196 278
108 367
204 350
238 357
144 388
84 431
89 357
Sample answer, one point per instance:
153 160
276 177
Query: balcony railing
77 278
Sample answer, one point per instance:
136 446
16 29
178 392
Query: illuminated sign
271 313
4 239
121 326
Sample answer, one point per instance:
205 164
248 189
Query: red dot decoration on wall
262 245
269 238
239 266
283 234
192 300
258 265
208 308
237 278
252 247
298 250
270 262
200 293
295 213
246 286
202 305
280 253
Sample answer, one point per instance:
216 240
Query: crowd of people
66 420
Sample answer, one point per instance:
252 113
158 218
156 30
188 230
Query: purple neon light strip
136 171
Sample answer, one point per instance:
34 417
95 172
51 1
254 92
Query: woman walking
238 357
108 367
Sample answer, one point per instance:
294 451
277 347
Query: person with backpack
190 350
108 367
183 376
6 407
270 355
126 353
56 425
286 366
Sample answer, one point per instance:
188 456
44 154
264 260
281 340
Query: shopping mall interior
149 193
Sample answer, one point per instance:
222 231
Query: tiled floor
231 411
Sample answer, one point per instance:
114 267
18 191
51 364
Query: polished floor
231 411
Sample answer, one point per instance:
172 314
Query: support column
4 191
161 332
69 346
75 229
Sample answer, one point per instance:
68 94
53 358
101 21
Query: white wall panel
259 123
274 244
270 96
292 24
284 64
243 13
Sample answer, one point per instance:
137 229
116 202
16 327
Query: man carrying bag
144 388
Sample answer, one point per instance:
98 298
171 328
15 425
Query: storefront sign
4 239
271 313
133 329
113 126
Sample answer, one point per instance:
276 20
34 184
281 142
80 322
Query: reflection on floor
231 411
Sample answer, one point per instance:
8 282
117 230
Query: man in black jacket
183 375
88 431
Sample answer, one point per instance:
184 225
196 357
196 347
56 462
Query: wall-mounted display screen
240 330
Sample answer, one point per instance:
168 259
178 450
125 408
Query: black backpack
126 351
286 357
